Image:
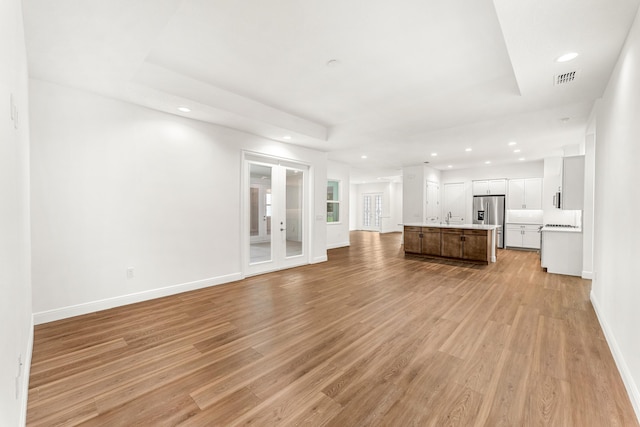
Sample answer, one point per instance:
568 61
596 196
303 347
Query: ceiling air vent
565 78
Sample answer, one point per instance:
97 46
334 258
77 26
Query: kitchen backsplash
521 216
558 216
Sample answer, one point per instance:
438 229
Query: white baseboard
618 357
90 307
24 387
338 245
319 259
587 274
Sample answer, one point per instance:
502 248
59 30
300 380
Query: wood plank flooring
372 337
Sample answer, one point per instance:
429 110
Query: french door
276 226
372 211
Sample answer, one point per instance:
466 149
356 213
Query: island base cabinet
463 244
413 240
431 241
422 240
475 245
451 243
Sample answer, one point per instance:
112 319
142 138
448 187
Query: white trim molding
587 274
319 259
26 372
339 245
623 368
93 306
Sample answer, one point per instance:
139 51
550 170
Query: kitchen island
467 242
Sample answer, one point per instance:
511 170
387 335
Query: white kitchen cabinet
513 236
531 237
572 183
525 194
489 187
523 236
561 252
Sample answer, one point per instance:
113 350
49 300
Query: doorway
372 211
276 214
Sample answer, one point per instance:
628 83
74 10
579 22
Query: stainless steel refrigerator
490 210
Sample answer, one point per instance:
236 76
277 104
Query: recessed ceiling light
488 162
286 137
184 109
567 57
512 143
516 150
468 149
363 156
521 158
434 154
449 166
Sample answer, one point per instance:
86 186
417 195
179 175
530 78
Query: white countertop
459 226
562 229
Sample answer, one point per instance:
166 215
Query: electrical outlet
130 273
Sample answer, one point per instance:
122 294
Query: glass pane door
372 212
378 212
294 220
260 213
276 226
366 211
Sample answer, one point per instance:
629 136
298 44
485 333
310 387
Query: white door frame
279 260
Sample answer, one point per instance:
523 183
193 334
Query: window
333 201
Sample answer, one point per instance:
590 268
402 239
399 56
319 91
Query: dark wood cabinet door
451 243
475 246
431 242
412 241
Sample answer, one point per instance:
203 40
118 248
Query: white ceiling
413 76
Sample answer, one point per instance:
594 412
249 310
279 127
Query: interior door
276 215
372 212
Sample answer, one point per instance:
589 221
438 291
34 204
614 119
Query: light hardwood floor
369 338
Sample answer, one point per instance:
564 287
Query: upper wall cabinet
525 194
572 183
490 187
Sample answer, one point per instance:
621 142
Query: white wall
396 193
16 328
414 192
616 289
116 185
587 215
509 171
338 232
413 187
391 204
353 207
